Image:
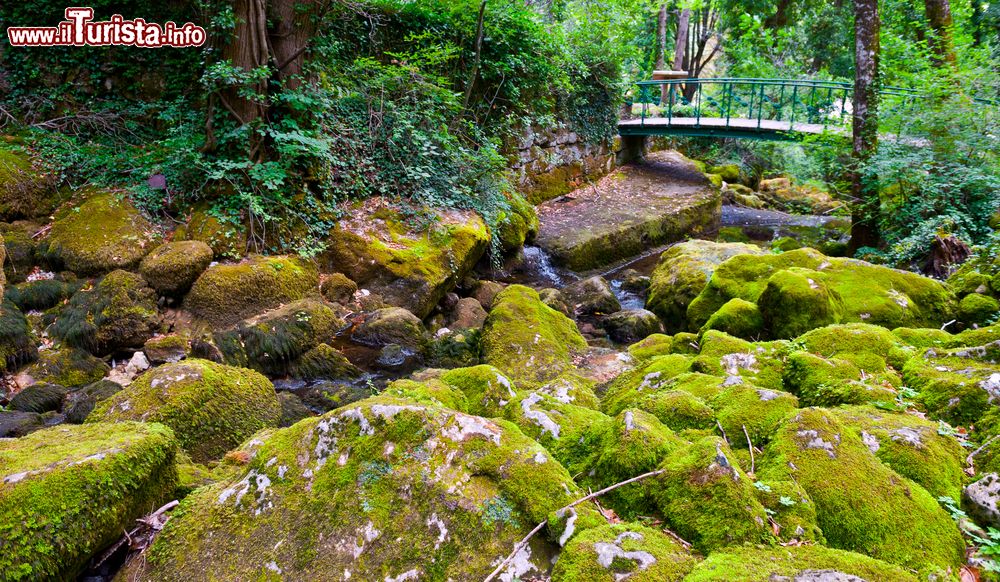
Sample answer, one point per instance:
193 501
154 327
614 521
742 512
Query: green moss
923 338
474 488
612 552
273 341
794 302
791 511
67 367
912 446
430 391
455 349
337 288
17 347
69 491
39 295
527 340
976 309
486 389
226 238
569 432
102 234
20 251
678 409
39 397
119 313
24 191
391 325
172 268
761 364
517 225
227 293
738 318
955 385
786 243
632 443
211 407
729 172
822 381
682 272
630 387
857 338
861 504
751 564
757 410
702 475
167 348
702 386
656 344
572 388
410 267
324 362
292 409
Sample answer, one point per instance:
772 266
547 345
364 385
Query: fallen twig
723 431
972 455
750 445
524 541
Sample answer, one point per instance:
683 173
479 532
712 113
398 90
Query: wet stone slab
663 200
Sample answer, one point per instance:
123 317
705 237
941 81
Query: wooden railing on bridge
755 108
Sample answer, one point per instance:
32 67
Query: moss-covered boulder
738 318
212 408
172 268
40 294
591 296
823 290
761 364
25 192
118 313
67 367
659 344
978 309
228 293
19 246
386 487
81 402
806 563
569 432
792 511
518 224
392 325
527 340
273 341
68 492
957 385
683 271
39 398
337 288
324 362
629 388
292 409
101 234
861 504
486 389
613 553
743 409
15 424
631 325
224 234
166 349
819 381
17 346
409 267
708 500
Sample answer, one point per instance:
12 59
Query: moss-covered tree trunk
865 209
942 42
246 50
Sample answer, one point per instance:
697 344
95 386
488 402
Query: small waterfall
538 266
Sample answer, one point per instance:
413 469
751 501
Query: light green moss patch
568 431
486 389
751 564
630 387
791 510
757 410
626 551
956 385
738 318
822 381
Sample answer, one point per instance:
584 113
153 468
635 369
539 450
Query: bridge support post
633 149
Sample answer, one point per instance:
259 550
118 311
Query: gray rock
631 325
980 500
392 325
14 423
592 296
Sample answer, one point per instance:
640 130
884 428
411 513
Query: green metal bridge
771 109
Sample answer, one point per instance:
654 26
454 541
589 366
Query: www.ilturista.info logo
79 30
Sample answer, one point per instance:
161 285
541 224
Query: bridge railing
749 103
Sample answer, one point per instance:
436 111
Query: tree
864 214
942 42
680 45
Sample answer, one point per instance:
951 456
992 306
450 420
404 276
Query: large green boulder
819 381
101 234
211 408
385 488
527 340
802 289
228 293
68 492
409 267
119 313
683 271
569 432
486 389
612 553
958 385
805 563
172 268
25 192
17 346
861 504
67 367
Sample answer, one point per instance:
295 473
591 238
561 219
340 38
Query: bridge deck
718 126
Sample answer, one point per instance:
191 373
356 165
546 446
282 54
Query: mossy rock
572 388
101 234
518 225
172 268
81 402
613 553
25 192
392 325
631 387
39 398
858 338
630 444
824 290
791 510
678 409
659 344
68 492
212 408
708 500
956 385
569 432
758 411
682 273
118 313
591 296
324 362
737 318
476 487
912 446
39 295
15 424
486 389
20 246
630 325
921 338
528 341
454 349
822 381
67 367
167 349
409 267
337 288
429 391
729 172
228 293
861 504
17 346
226 237
761 364
324 396
759 564
977 309
273 341
292 409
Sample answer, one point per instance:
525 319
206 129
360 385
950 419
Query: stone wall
549 162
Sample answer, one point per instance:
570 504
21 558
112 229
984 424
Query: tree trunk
246 51
865 209
977 23
661 48
477 56
680 46
943 44
780 17
292 28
